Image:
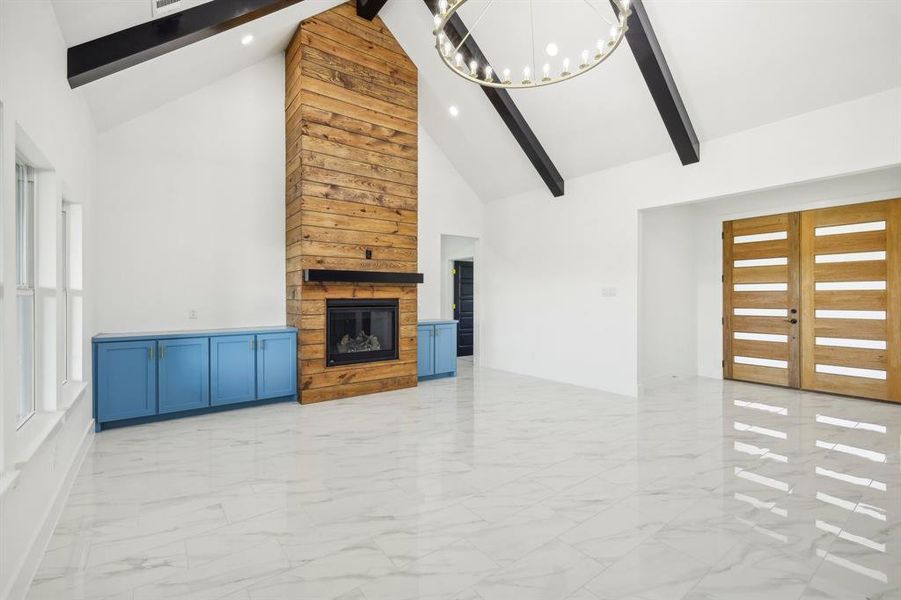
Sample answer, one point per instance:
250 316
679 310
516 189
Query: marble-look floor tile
552 572
493 486
652 571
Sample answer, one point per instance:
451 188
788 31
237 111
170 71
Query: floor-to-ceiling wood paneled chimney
351 141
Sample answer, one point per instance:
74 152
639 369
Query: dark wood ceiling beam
504 105
115 52
661 84
368 9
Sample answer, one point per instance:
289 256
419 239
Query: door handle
150 353
792 321
162 351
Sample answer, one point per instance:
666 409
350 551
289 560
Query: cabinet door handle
162 351
150 353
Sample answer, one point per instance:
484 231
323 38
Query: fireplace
361 331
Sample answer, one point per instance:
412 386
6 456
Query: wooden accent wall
351 137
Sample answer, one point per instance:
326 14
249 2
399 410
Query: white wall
447 206
51 124
667 324
191 210
547 260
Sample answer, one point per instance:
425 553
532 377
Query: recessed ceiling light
247 39
453 110
551 49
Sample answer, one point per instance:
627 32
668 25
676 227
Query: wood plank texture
888 300
788 300
893 299
757 374
351 188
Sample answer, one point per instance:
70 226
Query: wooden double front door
812 300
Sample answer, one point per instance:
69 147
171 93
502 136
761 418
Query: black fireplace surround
361 331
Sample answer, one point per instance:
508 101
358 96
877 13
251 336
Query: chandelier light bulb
536 72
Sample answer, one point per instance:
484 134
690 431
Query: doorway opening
459 289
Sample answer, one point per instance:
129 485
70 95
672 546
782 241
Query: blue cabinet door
276 365
232 369
184 374
126 380
446 348
424 351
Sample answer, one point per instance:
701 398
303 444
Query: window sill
42 425
70 392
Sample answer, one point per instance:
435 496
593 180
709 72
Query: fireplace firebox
361 331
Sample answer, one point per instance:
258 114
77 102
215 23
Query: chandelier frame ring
624 11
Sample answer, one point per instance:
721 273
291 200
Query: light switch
608 292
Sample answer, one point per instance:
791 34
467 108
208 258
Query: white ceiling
135 91
738 64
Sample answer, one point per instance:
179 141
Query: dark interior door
464 306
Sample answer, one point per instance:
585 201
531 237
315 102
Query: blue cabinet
446 348
234 369
125 384
437 350
425 351
184 380
276 369
145 377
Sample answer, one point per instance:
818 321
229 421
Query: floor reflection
821 474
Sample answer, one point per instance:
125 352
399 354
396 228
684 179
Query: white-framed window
25 245
71 279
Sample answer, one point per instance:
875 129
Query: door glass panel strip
761 262
762 362
850 257
761 337
851 371
853 228
878 315
849 343
760 312
761 287
824 286
760 237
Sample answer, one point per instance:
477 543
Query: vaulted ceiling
738 65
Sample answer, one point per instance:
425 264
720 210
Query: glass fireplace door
361 331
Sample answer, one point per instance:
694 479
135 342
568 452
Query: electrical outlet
192 314
608 292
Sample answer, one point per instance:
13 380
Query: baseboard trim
29 566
